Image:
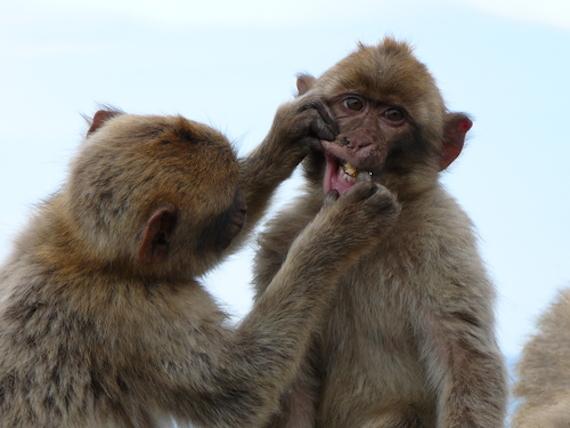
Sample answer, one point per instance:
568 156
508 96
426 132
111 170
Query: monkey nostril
344 141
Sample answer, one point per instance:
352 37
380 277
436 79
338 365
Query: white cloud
554 13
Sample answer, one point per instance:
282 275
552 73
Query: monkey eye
394 115
353 103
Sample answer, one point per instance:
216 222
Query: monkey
103 322
409 341
543 382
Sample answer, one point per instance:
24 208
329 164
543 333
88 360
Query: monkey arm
237 378
465 365
241 384
297 126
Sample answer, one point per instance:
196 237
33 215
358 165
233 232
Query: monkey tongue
335 178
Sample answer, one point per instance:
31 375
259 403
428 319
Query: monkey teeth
345 176
350 174
349 169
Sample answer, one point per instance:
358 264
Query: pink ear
157 235
455 129
100 118
304 83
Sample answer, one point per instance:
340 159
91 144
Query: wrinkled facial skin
372 133
368 129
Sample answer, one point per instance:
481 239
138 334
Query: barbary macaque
102 320
543 382
410 339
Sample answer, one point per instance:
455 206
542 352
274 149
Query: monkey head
157 195
393 123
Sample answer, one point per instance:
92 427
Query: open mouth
340 175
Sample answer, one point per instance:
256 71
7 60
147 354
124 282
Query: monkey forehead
150 138
148 153
389 73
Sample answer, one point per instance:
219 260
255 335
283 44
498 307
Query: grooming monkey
410 339
102 322
544 371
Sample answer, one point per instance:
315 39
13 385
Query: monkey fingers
322 124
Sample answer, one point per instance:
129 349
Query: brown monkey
410 340
102 322
544 373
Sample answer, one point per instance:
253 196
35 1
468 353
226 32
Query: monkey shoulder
543 373
545 355
78 345
557 317
431 248
437 227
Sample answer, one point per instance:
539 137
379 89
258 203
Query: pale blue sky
230 64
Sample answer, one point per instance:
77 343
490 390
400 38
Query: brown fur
102 319
410 340
544 371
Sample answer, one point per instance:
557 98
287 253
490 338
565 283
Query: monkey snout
239 213
240 204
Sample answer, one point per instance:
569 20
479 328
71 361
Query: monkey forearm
260 360
297 125
265 352
263 170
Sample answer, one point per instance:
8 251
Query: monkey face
394 127
368 130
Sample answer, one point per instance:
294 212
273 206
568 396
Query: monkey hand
297 126
365 211
349 225
303 123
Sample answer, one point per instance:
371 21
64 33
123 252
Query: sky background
230 64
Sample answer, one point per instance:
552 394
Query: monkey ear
157 234
455 128
304 83
100 118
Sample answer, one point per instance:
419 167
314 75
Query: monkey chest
369 339
376 310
